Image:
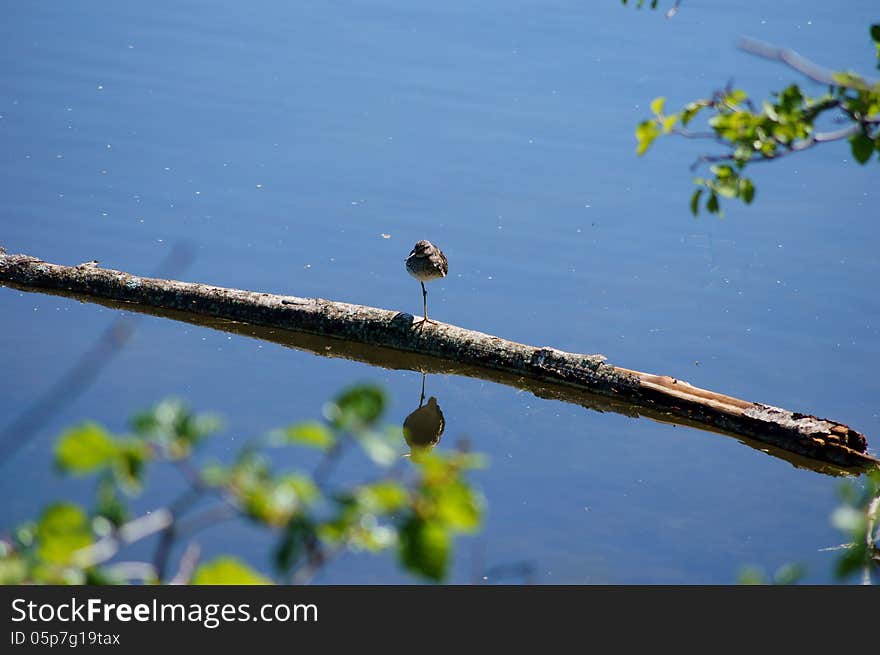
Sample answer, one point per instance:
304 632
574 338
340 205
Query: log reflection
401 360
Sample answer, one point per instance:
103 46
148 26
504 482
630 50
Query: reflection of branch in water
87 368
424 426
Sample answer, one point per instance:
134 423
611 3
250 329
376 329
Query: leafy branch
779 127
414 506
858 516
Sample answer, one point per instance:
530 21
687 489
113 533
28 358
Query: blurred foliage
858 516
173 428
780 126
785 575
227 570
415 506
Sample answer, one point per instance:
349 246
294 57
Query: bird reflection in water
423 428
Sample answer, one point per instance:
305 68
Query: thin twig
178 507
328 461
135 530
214 514
128 571
317 559
799 146
836 135
673 9
181 529
188 562
795 61
687 134
790 58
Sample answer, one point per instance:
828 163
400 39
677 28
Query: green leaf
746 190
722 171
128 466
109 504
310 433
275 501
850 80
371 536
62 530
85 448
791 98
735 97
852 561
105 576
226 570
691 110
646 133
712 204
13 569
424 548
174 427
752 575
657 105
695 202
862 147
356 408
293 543
457 506
382 497
788 574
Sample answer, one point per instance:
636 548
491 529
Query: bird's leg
425 300
424 306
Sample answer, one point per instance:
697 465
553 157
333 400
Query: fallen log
628 391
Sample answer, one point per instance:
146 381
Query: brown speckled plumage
426 262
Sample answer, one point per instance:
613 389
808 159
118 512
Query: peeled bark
399 340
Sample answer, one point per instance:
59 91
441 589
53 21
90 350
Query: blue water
285 139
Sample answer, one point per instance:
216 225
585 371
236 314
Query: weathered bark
361 332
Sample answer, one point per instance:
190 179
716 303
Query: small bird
426 262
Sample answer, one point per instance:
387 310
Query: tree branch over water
783 125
